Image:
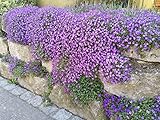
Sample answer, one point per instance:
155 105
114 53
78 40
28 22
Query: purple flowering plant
16 23
86 44
88 39
21 69
122 108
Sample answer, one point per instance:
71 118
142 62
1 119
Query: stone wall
39 85
145 80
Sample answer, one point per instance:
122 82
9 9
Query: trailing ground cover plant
47 32
21 69
84 45
122 108
136 28
6 5
89 39
16 24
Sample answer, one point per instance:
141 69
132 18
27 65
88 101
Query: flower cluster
7 5
122 108
21 69
15 65
138 28
83 42
35 68
113 105
16 24
156 108
86 90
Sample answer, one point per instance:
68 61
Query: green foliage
13 81
46 99
18 71
86 90
142 110
1 55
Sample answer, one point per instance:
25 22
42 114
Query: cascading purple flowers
16 23
156 108
122 108
113 105
92 41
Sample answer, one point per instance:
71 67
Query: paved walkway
17 103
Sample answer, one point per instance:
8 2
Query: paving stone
16 109
10 87
62 114
49 109
3 83
18 91
11 106
76 118
27 95
35 101
2 79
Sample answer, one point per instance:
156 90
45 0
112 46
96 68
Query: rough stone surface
48 65
3 46
145 82
35 84
20 51
151 56
61 115
4 71
60 98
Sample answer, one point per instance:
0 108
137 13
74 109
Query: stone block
49 109
4 71
35 101
60 98
35 84
48 65
27 95
3 46
140 85
10 87
20 51
62 114
18 91
151 56
3 83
